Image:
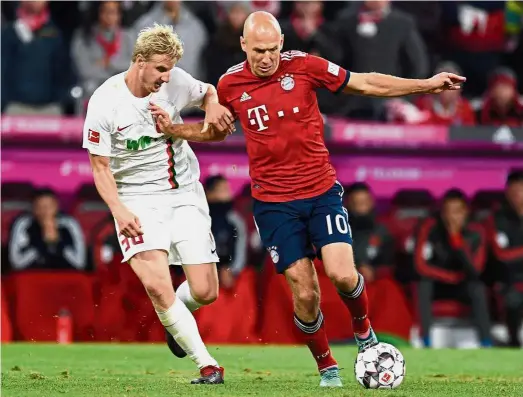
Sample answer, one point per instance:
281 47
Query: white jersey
120 126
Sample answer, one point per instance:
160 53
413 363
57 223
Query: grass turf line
101 370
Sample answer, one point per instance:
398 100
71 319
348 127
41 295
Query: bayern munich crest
287 82
274 254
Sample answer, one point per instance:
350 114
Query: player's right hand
128 223
162 118
445 82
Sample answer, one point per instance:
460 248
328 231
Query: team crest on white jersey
287 82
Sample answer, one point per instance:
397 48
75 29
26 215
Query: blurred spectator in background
272 6
475 38
502 105
373 245
102 48
306 30
427 15
228 228
132 10
375 37
449 107
224 49
46 239
301 28
506 240
35 62
188 27
256 253
450 256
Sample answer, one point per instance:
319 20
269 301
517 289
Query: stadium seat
89 210
388 309
6 326
484 201
277 311
107 283
408 206
444 308
141 323
16 198
233 317
41 295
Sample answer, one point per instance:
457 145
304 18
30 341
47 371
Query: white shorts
178 223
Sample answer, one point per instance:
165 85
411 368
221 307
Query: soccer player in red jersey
297 201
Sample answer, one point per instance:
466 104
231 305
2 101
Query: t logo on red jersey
259 117
94 137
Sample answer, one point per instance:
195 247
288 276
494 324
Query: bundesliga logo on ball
380 367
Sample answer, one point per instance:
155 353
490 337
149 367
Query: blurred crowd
55 54
454 257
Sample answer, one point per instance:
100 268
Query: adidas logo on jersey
245 97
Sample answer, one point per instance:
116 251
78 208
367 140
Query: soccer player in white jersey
150 181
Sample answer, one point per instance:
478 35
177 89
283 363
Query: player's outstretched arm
194 132
382 85
215 114
104 181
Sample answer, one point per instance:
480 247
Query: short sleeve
97 127
325 74
196 89
222 96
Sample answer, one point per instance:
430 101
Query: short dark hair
213 180
357 187
42 192
514 176
455 194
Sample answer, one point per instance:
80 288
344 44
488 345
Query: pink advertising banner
65 171
387 134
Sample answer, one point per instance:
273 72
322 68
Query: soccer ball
380 367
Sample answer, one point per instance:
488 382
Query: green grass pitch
117 370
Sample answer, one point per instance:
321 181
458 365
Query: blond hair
158 40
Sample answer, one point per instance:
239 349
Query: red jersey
463 114
283 126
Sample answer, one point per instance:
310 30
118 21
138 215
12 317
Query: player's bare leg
201 287
303 280
338 260
152 268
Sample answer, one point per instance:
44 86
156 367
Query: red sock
358 305
314 336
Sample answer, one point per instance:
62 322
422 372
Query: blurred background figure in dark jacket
450 256
373 36
46 239
224 48
373 244
506 241
35 70
228 228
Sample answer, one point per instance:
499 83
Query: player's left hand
162 118
445 81
219 117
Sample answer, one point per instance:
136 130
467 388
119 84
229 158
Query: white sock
180 323
184 293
